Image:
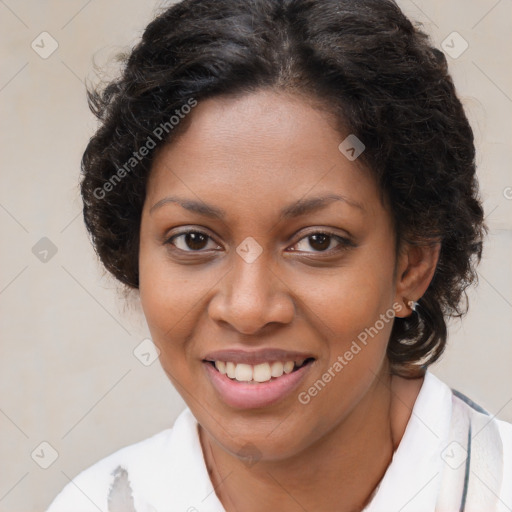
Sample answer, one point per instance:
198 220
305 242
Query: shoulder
505 429
142 465
506 434
488 450
461 444
482 418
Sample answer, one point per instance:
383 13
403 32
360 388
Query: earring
411 303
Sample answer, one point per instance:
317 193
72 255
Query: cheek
353 297
352 308
169 297
352 311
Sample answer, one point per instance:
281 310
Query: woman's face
290 260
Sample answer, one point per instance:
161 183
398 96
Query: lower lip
242 395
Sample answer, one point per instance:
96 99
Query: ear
415 269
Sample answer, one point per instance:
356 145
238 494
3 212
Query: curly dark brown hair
373 70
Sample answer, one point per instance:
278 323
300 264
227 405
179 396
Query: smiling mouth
258 373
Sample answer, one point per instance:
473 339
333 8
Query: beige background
68 374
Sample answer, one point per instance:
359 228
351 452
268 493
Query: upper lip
253 357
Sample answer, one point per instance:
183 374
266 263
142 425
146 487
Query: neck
340 471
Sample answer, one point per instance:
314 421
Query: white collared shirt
167 472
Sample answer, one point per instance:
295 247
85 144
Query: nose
251 296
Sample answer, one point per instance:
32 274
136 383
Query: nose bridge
251 277
250 296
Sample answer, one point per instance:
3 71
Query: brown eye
322 242
190 241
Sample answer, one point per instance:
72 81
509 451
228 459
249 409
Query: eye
191 241
322 241
319 241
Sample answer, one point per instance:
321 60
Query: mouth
258 373
245 380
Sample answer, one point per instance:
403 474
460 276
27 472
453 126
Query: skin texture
252 156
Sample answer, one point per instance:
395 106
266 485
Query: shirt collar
411 482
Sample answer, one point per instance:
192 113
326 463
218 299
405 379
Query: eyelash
343 242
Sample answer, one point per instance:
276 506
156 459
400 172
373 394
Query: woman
289 185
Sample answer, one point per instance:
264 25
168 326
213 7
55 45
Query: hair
373 70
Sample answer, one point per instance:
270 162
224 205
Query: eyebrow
296 209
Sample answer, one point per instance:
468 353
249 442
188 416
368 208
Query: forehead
264 149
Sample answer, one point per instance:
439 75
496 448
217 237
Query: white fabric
167 472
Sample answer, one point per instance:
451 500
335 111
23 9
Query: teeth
261 372
256 373
277 369
230 370
288 366
243 372
221 366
